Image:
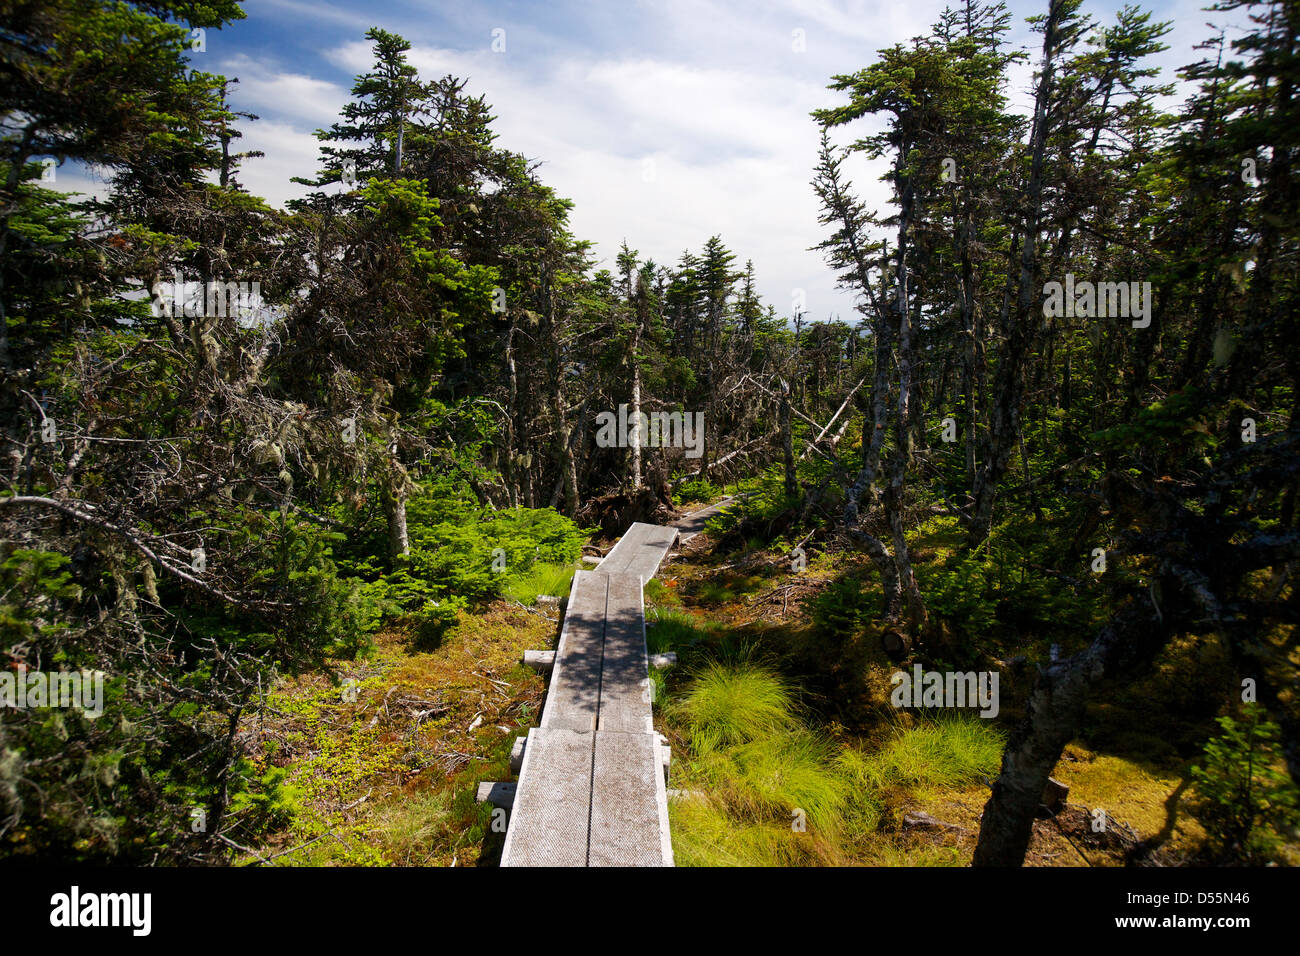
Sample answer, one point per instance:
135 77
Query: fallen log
918 820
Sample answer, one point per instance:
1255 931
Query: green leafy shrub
262 802
462 557
696 490
1001 588
1248 801
761 499
843 607
960 591
476 557
30 581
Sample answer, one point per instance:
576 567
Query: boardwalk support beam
540 661
497 794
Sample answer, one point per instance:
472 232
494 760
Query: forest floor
786 749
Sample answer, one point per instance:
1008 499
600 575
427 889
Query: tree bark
787 442
1004 417
1053 715
399 542
634 357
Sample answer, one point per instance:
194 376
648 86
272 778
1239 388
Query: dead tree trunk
787 442
637 439
395 492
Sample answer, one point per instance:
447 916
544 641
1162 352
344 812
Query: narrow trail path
592 789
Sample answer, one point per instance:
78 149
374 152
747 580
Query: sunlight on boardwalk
591 788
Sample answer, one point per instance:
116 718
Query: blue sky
665 122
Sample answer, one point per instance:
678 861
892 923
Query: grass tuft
945 753
668 629
541 578
730 704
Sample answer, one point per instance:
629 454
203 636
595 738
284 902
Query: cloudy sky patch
665 121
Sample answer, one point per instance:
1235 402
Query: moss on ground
385 769
784 741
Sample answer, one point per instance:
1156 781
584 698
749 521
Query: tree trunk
1004 417
399 543
636 439
512 410
1053 716
564 453
787 442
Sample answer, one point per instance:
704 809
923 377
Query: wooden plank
497 794
552 806
591 785
624 679
621 555
640 551
573 698
629 803
693 523
541 661
654 547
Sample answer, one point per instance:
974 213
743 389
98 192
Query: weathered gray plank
552 805
693 523
640 551
591 786
654 548
625 680
629 805
619 555
573 699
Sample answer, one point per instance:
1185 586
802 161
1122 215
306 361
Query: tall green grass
658 593
776 792
730 704
944 753
758 770
668 629
705 834
541 578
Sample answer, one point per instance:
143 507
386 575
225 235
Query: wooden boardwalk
591 786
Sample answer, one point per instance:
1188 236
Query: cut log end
541 661
1055 795
895 643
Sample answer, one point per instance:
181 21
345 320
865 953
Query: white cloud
263 90
712 92
290 151
732 153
